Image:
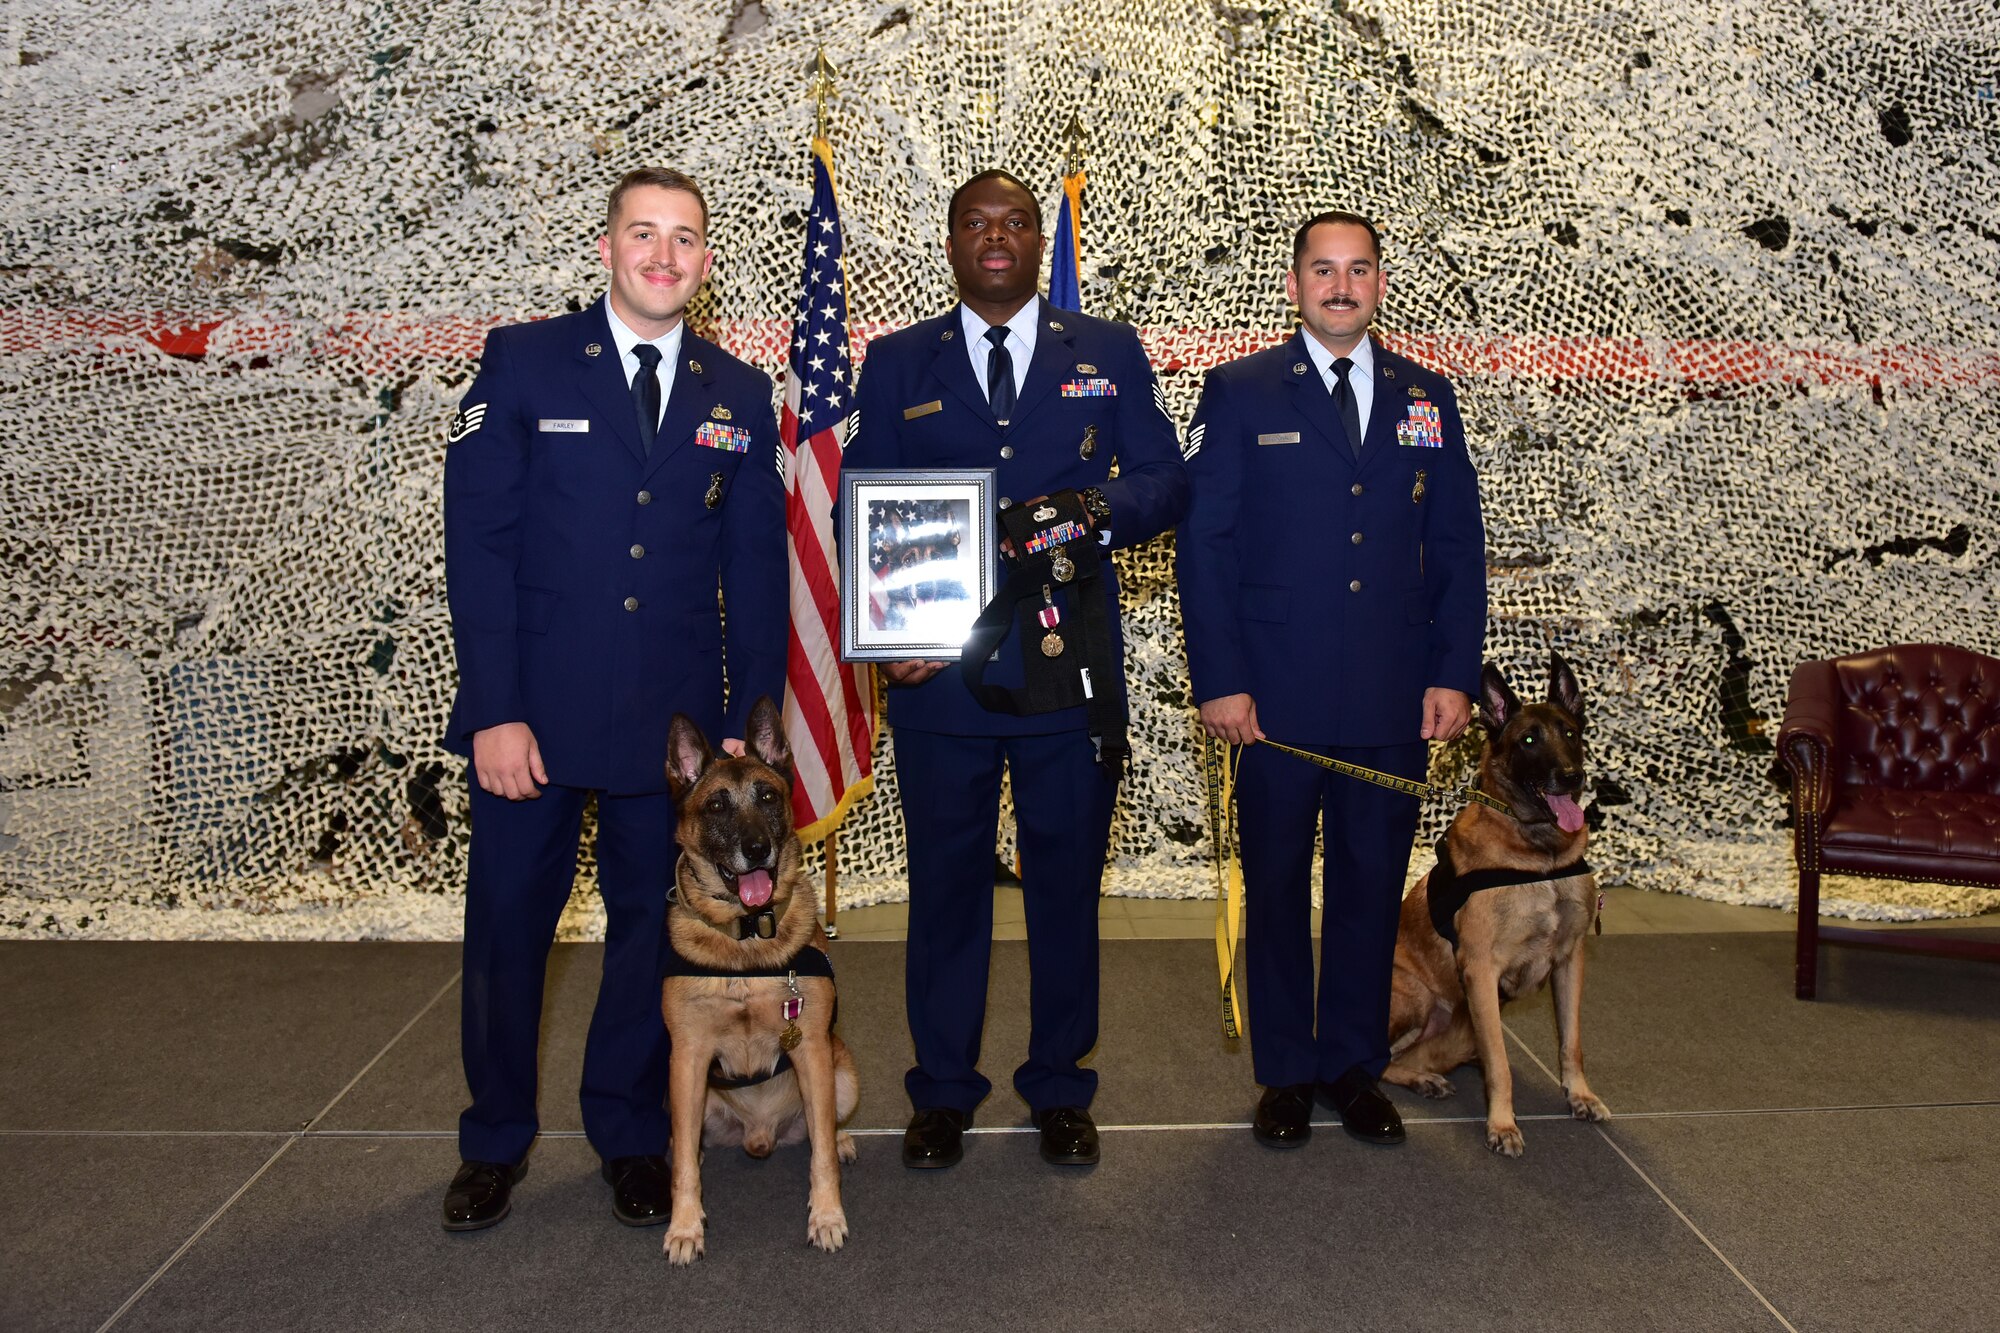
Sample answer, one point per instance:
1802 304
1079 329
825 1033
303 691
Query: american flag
829 707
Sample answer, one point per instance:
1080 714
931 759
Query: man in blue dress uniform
607 472
1049 398
1332 572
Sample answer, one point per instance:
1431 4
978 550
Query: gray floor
222 1136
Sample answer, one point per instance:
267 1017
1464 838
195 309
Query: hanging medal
1050 615
795 1004
1062 566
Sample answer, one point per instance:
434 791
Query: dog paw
684 1245
1433 1085
1506 1140
843 1147
1585 1106
826 1228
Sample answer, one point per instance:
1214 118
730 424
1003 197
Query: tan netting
1716 282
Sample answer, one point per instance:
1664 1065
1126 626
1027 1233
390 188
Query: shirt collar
624 339
1363 356
1021 325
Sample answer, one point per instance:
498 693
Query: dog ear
1496 702
688 755
766 735
1563 689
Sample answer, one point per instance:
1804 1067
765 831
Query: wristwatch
1096 506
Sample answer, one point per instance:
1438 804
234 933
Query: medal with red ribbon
1050 615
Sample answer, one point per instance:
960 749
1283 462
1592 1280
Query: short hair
664 177
951 211
1340 217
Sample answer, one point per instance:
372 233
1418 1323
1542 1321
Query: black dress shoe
641 1190
480 1194
1284 1116
1364 1112
932 1140
1069 1136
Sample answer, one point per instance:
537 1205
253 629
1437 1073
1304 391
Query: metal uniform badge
1417 391
1089 446
695 366
1062 567
1417 491
1298 367
714 497
1085 368
593 349
721 413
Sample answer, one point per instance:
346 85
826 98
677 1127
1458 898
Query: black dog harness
1070 664
1449 890
810 961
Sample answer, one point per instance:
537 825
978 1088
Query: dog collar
760 925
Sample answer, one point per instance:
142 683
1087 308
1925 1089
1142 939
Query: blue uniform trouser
1368 831
951 803
522 864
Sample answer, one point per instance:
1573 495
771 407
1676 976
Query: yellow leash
1219 772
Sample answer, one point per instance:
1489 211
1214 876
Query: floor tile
104 1035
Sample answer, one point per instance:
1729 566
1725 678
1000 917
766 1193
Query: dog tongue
1568 817
754 886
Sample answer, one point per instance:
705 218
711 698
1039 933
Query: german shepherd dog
1444 1008
755 1059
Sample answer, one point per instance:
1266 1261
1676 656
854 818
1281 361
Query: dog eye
717 804
1528 739
1570 732
765 795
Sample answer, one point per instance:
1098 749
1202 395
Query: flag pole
820 89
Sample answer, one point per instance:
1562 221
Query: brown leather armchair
1895 762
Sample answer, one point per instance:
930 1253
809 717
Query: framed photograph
919 561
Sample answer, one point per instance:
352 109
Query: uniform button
639 552
1355 489
1356 539
645 497
1006 451
1005 503
1354 586
631 604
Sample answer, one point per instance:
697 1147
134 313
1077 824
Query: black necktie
1000 375
1344 405
646 393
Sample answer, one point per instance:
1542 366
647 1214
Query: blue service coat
921 406
582 573
1333 592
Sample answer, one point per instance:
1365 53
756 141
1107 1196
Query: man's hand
1445 713
1232 718
507 762
914 672
733 748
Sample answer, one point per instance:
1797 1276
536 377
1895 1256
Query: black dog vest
1449 891
1062 664
810 961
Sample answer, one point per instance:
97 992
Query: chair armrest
1805 739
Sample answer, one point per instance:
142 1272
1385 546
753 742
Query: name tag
923 409
564 425
1279 437
715 435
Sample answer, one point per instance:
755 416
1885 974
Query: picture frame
919 561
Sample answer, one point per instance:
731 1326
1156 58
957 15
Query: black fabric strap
810 961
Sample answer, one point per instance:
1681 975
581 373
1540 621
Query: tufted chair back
1918 717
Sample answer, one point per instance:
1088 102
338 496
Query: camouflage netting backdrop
1716 280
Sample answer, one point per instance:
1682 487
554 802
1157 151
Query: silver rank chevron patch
468 420
1194 434
1160 400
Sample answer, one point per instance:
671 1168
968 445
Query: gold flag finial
821 90
1073 141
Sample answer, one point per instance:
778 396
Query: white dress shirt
1020 343
1361 378
669 344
